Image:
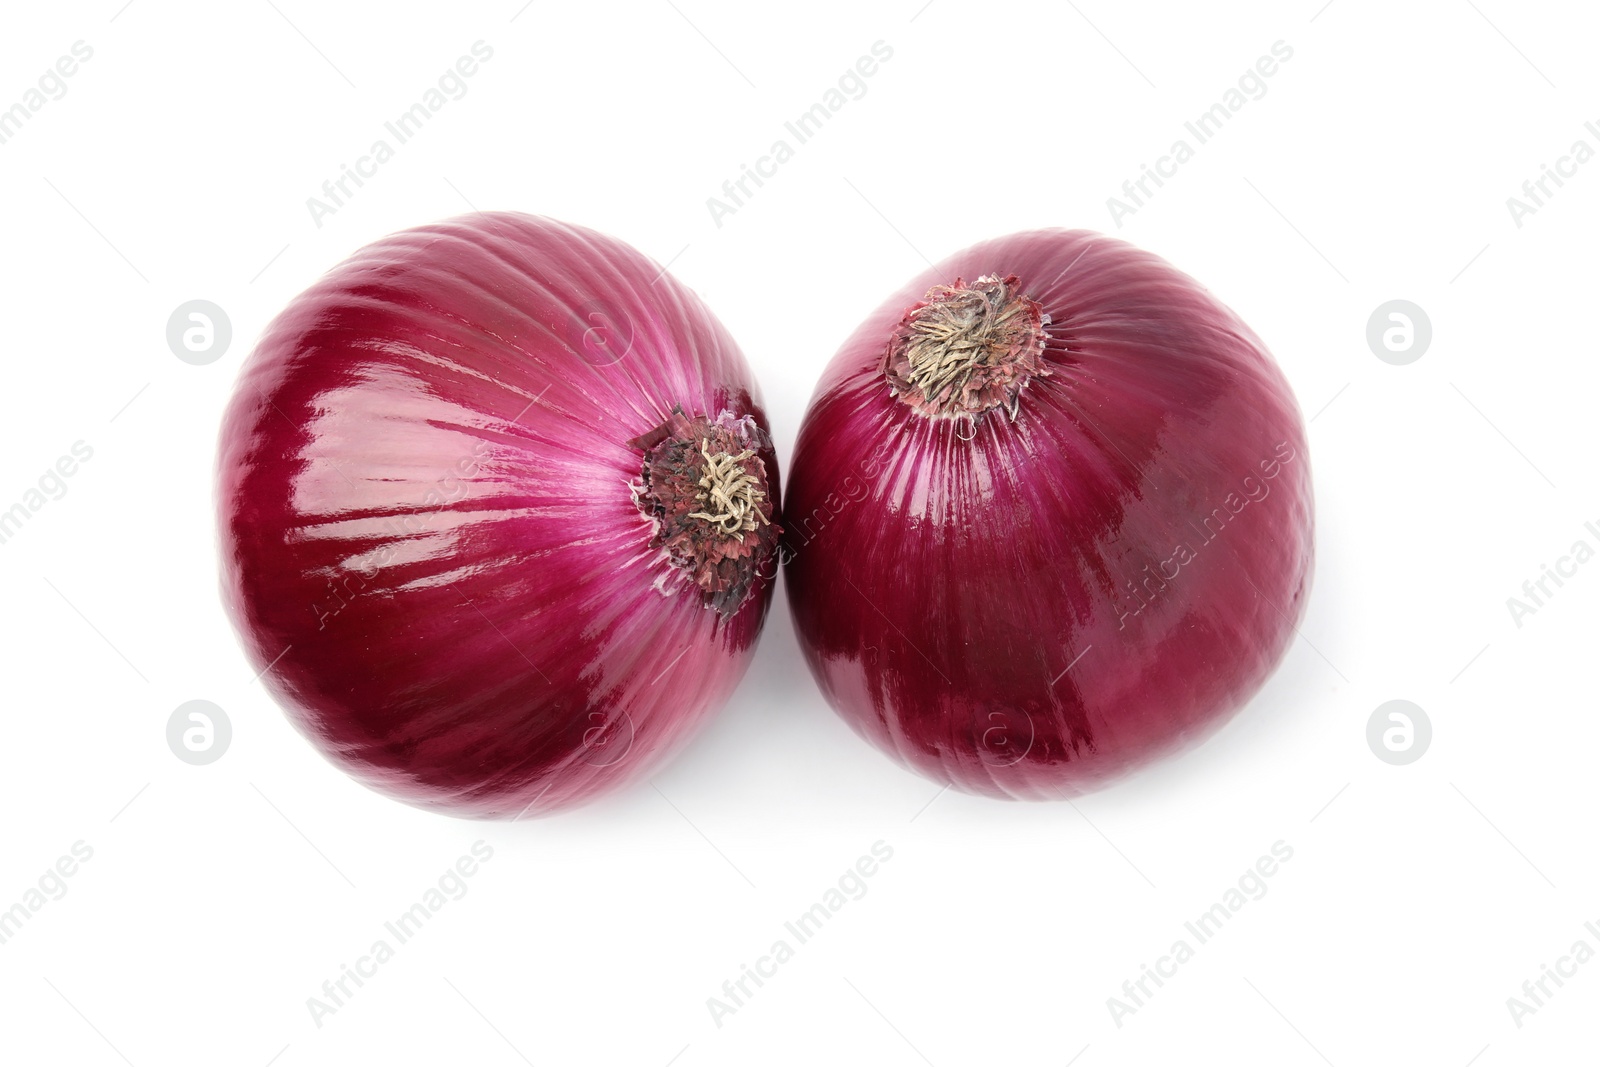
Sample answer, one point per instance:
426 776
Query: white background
1377 166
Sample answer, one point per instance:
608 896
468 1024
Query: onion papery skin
971 592
430 543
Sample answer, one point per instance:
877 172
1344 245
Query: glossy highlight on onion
498 510
1049 517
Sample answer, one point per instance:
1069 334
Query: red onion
1049 517
498 505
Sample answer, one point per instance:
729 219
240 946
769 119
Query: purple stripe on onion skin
1058 443
428 491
